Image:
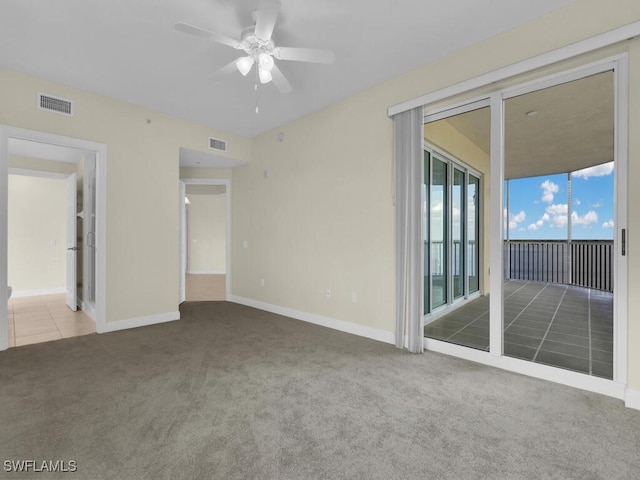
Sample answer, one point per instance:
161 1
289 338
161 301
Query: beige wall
206 172
324 218
207 233
38 164
142 184
36 233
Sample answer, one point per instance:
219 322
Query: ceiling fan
257 44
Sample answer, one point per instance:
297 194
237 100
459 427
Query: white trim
138 322
537 370
37 292
182 241
4 200
100 150
632 399
564 53
87 308
340 325
621 289
465 106
496 248
565 76
37 173
206 272
227 183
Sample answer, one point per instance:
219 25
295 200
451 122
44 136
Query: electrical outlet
354 297
262 282
328 293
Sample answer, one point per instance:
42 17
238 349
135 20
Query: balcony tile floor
559 325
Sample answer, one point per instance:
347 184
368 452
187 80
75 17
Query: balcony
558 307
585 263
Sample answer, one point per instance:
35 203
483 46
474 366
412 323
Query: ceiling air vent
217 144
55 104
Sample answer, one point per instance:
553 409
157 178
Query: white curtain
409 294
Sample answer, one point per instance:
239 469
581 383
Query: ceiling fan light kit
257 44
244 65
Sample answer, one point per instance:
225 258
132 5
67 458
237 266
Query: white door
72 249
183 240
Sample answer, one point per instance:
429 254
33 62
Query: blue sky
539 209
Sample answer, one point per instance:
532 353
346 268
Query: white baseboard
88 309
37 292
206 272
137 322
632 399
341 325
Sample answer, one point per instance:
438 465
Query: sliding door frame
616 387
452 164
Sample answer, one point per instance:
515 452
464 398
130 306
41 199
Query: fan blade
313 55
280 81
266 18
201 32
226 70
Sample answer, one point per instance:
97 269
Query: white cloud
548 190
597 205
559 220
608 224
557 209
514 220
577 202
587 219
595 171
519 217
533 226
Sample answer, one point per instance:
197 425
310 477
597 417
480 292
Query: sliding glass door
439 208
451 223
456 158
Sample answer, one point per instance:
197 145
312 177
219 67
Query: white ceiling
129 49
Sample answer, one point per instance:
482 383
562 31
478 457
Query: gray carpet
232 392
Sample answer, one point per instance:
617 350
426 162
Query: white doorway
11 139
205 217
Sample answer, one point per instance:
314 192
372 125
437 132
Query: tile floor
559 325
45 318
205 287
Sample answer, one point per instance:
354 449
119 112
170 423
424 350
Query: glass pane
438 231
425 231
473 233
457 233
454 218
558 300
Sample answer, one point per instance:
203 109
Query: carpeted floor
230 392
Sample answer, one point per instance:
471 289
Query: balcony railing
586 263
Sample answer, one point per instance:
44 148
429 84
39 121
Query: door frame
618 386
100 149
71 242
183 234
